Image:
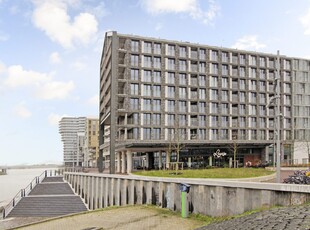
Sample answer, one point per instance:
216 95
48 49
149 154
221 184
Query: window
213 81
182 51
170 91
252 72
134 46
182 106
182 65
202 80
224 82
252 60
262 98
214 134
202 120
202 107
134 103
225 108
242 134
147 119
224 134
224 95
147 61
214 94
157 48
134 89
156 119
262 122
262 86
146 133
170 119
214 55
202 54
133 133
224 57
182 92
224 121
253 122
147 104
156 90
242 109
242 96
182 79
171 64
201 134
134 74
214 69
182 120
242 84
156 104
133 119
147 47
242 121
157 77
252 98
202 67
157 62
252 110
170 106
262 110
147 75
134 60
171 78
156 133
146 90
171 50
253 134
242 71
242 59
262 74
214 107
202 94
214 121
224 70
252 85
262 61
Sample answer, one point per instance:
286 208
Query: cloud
190 7
51 16
94 100
42 84
55 90
17 77
21 111
55 58
79 65
305 21
53 119
248 42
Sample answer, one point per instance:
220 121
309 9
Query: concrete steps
53 197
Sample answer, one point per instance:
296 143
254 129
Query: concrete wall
208 197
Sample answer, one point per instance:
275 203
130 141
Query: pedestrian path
53 197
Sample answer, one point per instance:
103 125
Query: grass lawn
209 173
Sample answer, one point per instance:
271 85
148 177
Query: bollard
184 188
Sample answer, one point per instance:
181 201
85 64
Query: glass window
156 119
202 94
171 64
146 90
147 47
134 60
170 91
146 133
202 107
182 92
157 62
134 103
157 76
225 108
224 82
170 106
182 51
214 81
171 50
202 80
157 48
214 107
202 67
214 68
214 55
171 78
156 133
224 57
224 121
170 119
147 75
147 119
156 105
134 74
134 46
147 61
224 95
134 89
182 79
202 54
214 94
182 65
156 90
182 106
147 104
214 121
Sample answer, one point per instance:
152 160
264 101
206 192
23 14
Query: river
15 180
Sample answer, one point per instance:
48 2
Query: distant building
153 91
80 140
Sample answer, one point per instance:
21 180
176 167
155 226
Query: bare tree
233 147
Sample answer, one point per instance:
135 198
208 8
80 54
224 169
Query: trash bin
184 188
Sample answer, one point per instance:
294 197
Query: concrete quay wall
207 196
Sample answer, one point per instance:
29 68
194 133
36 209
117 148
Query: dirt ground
134 217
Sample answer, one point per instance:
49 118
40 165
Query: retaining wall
206 196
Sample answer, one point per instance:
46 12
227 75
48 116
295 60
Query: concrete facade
208 197
156 92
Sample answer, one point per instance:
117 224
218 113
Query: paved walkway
291 218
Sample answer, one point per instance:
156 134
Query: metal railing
25 191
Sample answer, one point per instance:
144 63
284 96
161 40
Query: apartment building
80 141
154 92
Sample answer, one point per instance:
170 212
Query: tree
233 147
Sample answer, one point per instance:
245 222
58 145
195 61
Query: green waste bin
184 188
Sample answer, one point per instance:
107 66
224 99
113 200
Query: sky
50 52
